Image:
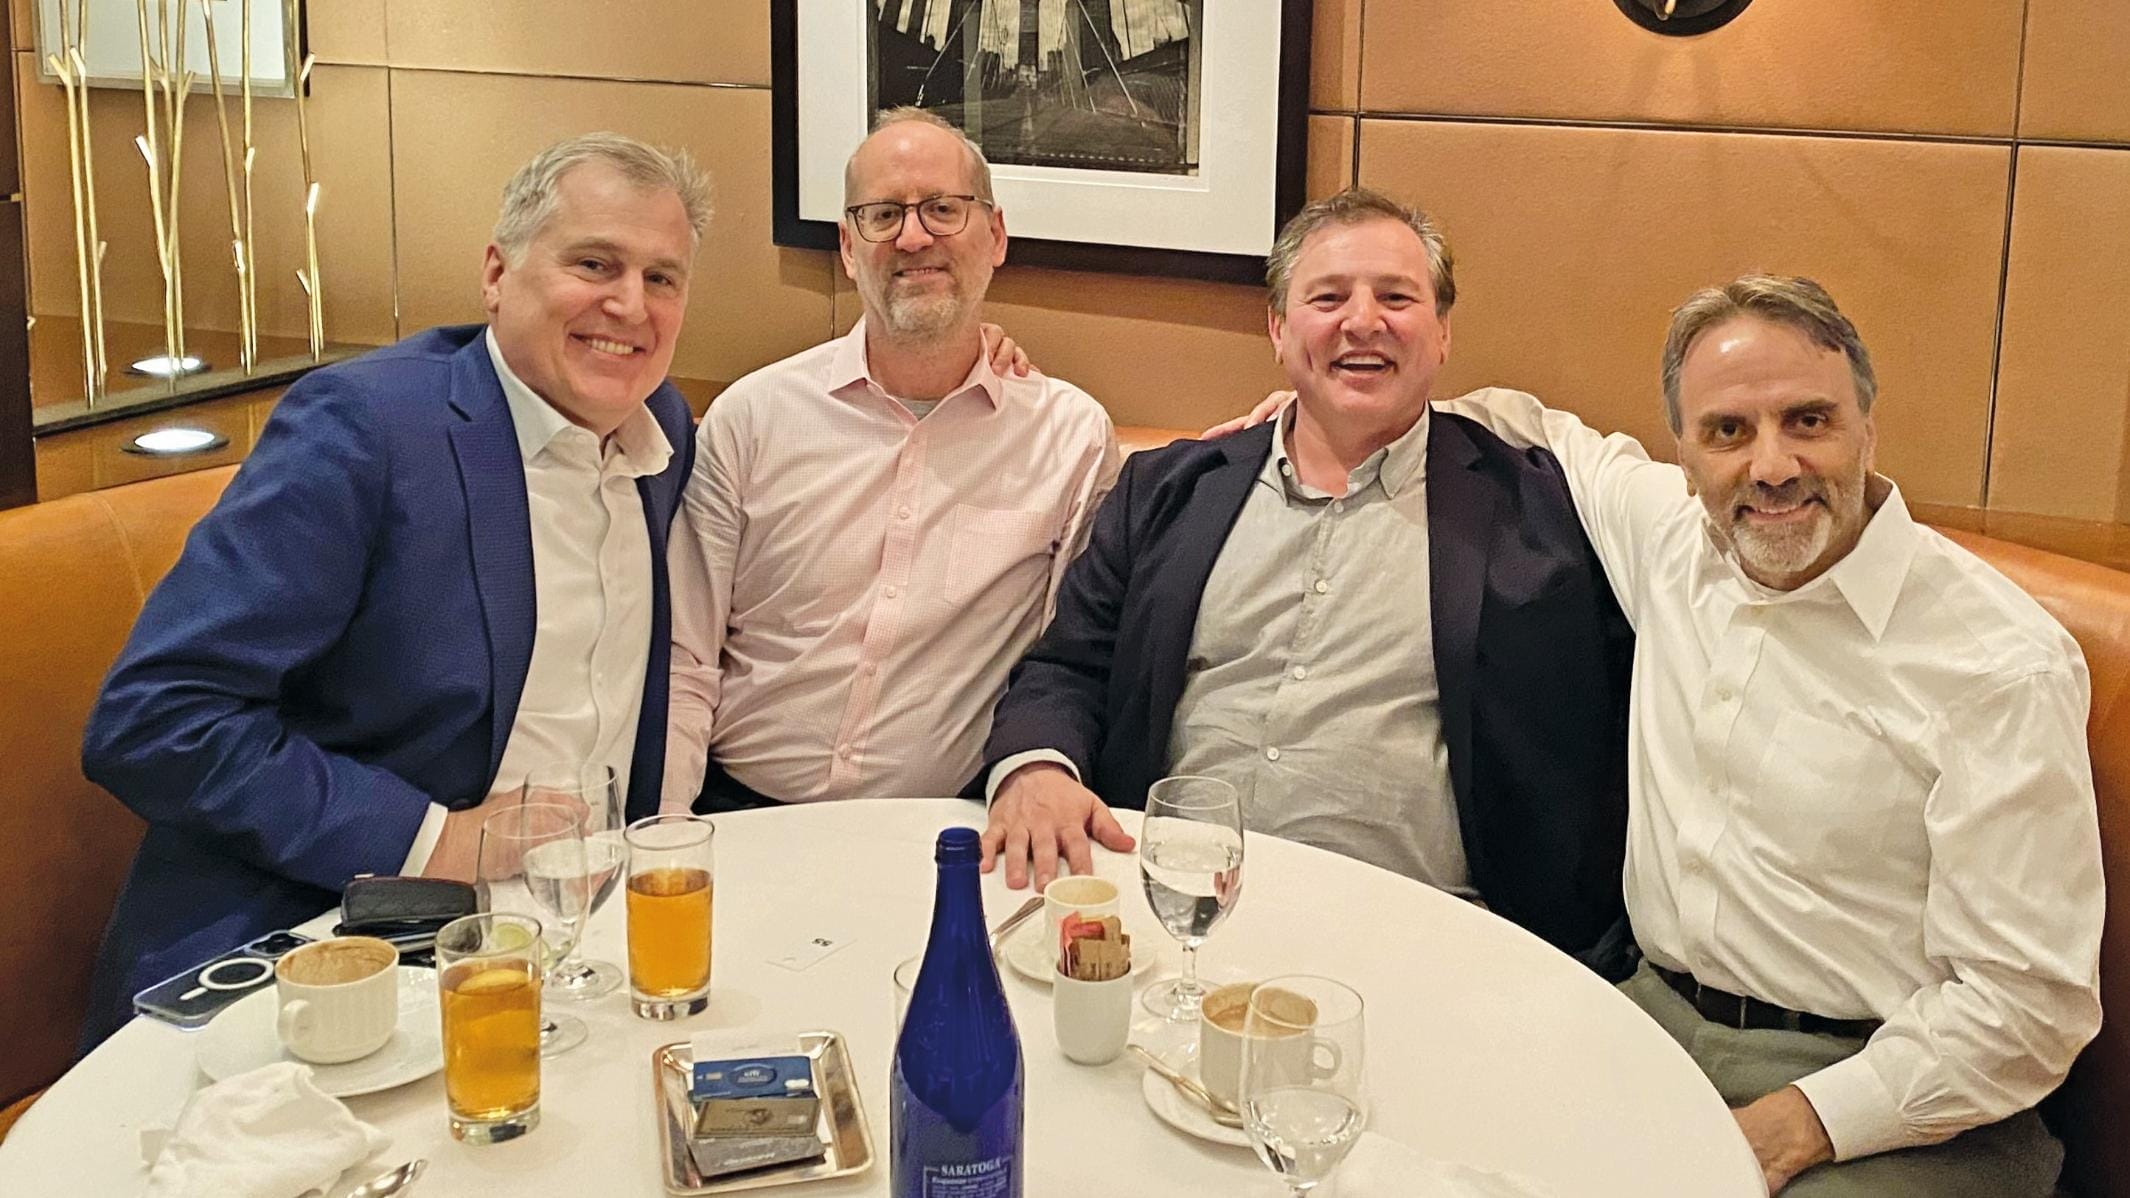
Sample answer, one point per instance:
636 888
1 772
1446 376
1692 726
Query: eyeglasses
941 216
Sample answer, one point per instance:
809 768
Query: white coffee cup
1222 1019
1075 894
339 998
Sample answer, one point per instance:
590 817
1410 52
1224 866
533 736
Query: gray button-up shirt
1311 680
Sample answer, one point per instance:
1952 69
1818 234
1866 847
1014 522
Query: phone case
191 998
373 906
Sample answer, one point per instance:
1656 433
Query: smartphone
197 995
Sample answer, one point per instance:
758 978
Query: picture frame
1168 137
112 53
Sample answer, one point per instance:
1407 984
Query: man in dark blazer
1382 625
381 623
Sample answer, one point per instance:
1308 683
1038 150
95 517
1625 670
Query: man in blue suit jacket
1383 626
411 582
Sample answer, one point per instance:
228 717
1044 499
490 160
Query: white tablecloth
1484 1045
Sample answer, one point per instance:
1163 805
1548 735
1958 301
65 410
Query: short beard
922 318
1787 551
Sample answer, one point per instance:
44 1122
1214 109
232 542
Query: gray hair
1798 302
910 114
1354 206
530 196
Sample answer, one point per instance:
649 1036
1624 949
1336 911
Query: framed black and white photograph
1141 136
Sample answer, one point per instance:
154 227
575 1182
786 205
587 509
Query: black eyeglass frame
902 215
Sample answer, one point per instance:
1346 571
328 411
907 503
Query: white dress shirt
852 584
1868 797
591 594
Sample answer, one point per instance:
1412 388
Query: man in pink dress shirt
874 528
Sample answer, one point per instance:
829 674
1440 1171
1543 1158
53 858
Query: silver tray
841 1126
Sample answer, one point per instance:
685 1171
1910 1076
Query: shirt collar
641 444
1869 578
1397 465
849 367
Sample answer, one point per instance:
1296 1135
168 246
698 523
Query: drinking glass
1190 857
488 986
532 863
594 791
1302 1104
672 871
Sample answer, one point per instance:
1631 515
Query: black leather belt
1736 1010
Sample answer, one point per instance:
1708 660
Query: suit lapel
1460 526
1215 500
499 529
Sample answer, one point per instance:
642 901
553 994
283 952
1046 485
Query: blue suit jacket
344 639
1532 659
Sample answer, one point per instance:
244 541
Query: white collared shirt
591 592
1868 797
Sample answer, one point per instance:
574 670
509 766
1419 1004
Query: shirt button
871 668
1338 505
1272 754
1725 694
1300 672
902 514
844 752
1323 587
891 592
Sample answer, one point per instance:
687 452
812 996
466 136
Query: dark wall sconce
1681 18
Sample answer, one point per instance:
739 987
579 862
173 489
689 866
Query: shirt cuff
1005 768
425 838
1856 1108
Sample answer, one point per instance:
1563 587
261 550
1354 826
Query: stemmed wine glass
1190 857
593 791
532 863
1302 1103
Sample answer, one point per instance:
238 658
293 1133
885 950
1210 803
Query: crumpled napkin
1380 1167
269 1133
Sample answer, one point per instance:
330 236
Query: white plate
242 1038
1180 1112
1028 951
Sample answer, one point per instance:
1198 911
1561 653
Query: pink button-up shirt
851 583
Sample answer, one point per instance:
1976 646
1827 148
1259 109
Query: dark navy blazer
1532 659
344 639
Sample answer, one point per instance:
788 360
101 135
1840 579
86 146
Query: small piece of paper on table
806 952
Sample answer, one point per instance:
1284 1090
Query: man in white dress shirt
1863 860
441 570
875 526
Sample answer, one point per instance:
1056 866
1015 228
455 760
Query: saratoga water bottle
954 1103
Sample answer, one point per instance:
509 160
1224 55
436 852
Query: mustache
1796 491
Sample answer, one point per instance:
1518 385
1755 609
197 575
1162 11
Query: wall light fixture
1681 18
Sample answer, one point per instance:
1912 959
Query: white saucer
242 1038
1180 1112
1029 951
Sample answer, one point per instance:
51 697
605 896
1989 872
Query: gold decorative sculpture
162 147
247 294
88 244
313 289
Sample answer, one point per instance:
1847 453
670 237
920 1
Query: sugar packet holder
1091 996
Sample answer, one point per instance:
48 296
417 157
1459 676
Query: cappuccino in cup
339 998
1223 1031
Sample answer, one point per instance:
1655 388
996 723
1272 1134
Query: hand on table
457 853
1042 812
1786 1135
1006 356
1266 409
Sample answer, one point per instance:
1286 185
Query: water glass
672 874
1190 858
594 791
1302 1102
488 970
532 863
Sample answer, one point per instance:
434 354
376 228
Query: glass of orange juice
671 876
488 971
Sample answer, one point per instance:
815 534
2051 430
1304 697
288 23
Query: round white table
1485 1045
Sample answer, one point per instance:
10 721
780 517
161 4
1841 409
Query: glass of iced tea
671 876
488 970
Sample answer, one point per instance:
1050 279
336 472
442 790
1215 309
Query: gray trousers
2017 1158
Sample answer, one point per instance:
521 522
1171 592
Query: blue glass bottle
954 1100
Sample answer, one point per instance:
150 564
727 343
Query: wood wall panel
676 41
750 301
1921 66
2063 382
1567 277
1335 55
349 139
2077 81
349 32
1330 154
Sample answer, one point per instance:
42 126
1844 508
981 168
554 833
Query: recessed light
1681 18
162 366
175 441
